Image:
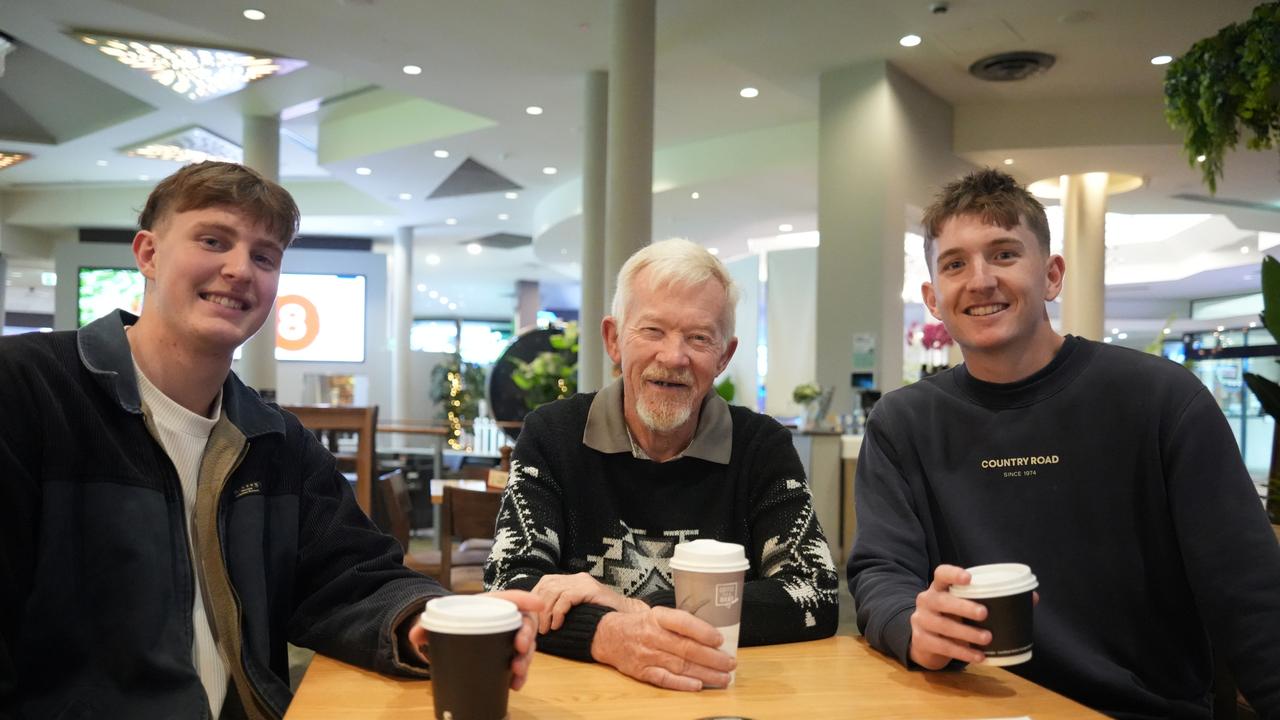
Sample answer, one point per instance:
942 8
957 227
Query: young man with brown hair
1112 473
163 530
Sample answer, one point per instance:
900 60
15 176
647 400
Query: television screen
102 290
318 317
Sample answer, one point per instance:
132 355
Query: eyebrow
214 226
1008 241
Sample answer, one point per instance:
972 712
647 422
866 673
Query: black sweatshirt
570 508
1114 475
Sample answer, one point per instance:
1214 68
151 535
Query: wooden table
839 677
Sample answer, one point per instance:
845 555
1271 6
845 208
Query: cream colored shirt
183 435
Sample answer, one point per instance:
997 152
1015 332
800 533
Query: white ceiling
492 58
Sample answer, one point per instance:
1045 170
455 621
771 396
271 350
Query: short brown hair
214 184
993 197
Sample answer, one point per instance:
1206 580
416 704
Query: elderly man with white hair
604 485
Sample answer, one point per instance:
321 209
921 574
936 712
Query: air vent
1005 67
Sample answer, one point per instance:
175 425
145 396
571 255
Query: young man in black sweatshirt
1112 473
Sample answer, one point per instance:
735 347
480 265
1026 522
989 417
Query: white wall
742 367
793 318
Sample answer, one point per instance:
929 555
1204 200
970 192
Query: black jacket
95 556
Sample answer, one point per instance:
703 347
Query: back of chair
393 497
465 514
362 421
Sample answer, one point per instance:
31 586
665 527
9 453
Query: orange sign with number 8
297 322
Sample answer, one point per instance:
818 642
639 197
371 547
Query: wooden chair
363 421
466 514
393 511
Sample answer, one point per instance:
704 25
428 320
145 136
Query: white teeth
985 310
225 301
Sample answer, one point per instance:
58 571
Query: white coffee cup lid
708 555
996 580
470 615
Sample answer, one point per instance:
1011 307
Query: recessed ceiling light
474 248
197 73
432 259
444 300
422 287
1123 336
1115 331
1244 250
406 196
511 195
451 221
548 170
1200 158
504 216
433 294
453 306
144 177
363 171
252 14
533 110
714 251
412 69
1106 339
1166 331
442 154
1008 161
102 163
748 92
1221 328
694 196
909 40
1253 323
785 227
1162 60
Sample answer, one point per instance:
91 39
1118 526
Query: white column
629 217
1084 215
594 305
528 302
401 282
262 153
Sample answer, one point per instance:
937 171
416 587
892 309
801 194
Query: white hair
677 263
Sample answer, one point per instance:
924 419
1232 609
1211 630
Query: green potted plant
1267 391
1226 84
552 374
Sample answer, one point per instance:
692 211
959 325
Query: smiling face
212 275
670 349
989 287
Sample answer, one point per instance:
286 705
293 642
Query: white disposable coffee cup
708 576
1006 591
470 642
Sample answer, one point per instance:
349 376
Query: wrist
601 641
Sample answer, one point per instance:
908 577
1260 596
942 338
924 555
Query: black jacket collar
104 351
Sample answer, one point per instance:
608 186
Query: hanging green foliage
1226 84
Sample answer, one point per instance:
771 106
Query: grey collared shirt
607 431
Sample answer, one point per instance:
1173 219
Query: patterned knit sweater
569 508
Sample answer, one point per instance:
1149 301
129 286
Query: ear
144 253
1054 273
727 355
609 331
930 299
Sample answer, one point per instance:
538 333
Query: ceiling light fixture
1008 161
504 216
714 251
412 69
1162 60
548 170
433 294
364 171
1244 250
451 221
453 306
188 145
786 227
101 163
1200 158
252 14
9 159
748 92
474 248
443 300
511 195
422 287
909 40
196 73
533 110
442 154
694 196
406 196
432 259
